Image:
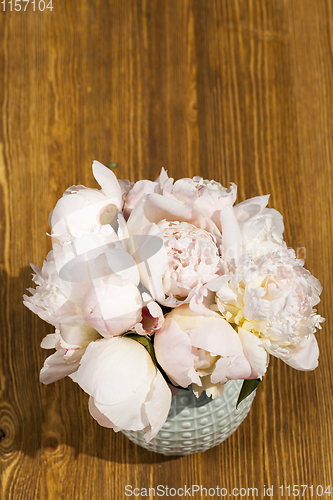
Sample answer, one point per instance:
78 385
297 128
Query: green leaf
147 344
112 165
247 387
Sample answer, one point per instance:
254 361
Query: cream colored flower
273 297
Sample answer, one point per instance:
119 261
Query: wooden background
235 90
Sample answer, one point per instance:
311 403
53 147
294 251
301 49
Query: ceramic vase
197 424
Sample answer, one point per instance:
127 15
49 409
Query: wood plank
235 90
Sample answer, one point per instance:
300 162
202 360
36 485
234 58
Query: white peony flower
69 270
205 351
258 224
273 296
112 309
51 300
126 389
81 209
192 256
70 342
204 196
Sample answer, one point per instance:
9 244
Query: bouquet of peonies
156 286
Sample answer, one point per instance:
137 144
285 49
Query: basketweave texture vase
197 424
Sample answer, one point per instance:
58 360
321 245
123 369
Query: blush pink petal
111 309
158 207
304 356
216 337
99 417
254 351
202 301
212 202
76 333
162 178
56 368
49 342
252 217
173 352
127 392
127 414
140 189
75 214
219 374
151 266
157 406
251 207
240 368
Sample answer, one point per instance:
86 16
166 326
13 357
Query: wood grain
235 90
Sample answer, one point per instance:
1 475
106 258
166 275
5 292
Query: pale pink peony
52 299
70 270
70 342
206 351
197 202
192 256
111 308
201 199
209 197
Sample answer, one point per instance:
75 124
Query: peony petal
108 182
240 368
173 351
212 390
114 370
251 207
155 309
123 264
76 333
140 189
157 208
137 221
254 351
304 356
75 214
98 415
127 414
231 236
162 178
111 309
157 406
151 258
202 301
55 367
219 374
50 341
217 337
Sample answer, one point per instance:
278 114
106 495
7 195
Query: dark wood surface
233 90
